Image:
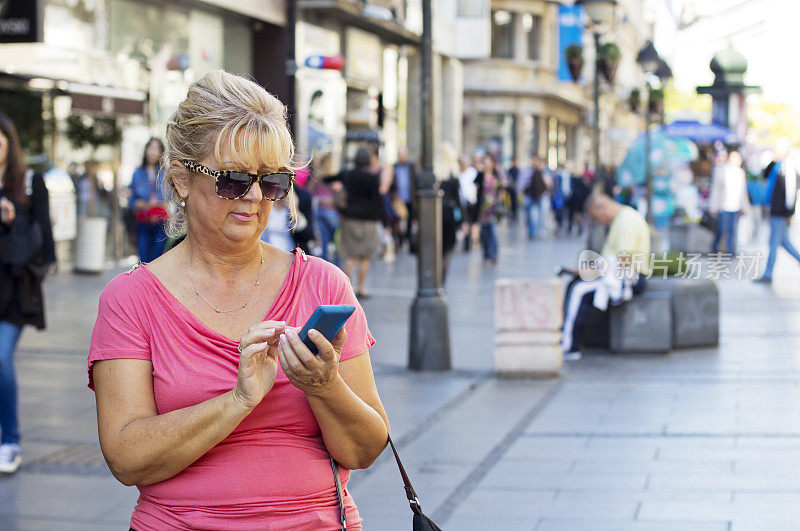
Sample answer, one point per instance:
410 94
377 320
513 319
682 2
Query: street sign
20 21
333 62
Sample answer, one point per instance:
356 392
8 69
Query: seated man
615 276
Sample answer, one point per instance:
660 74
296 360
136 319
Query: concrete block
690 238
695 310
528 337
528 360
528 304
643 324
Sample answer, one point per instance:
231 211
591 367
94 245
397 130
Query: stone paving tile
579 497
631 466
119 515
734 511
508 474
517 504
10 522
725 482
546 447
574 524
489 521
699 510
61 496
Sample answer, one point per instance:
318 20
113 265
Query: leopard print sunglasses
235 184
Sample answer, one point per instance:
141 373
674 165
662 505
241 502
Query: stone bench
692 315
527 316
642 324
695 310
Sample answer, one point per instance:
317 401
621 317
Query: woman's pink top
273 471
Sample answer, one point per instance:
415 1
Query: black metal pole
291 66
429 333
596 138
647 166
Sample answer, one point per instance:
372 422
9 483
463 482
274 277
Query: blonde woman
206 399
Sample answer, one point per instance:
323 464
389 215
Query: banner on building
570 31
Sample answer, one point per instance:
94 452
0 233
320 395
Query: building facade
514 104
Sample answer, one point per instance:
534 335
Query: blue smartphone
327 319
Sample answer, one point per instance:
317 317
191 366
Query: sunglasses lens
276 186
233 184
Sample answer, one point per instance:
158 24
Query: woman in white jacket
728 200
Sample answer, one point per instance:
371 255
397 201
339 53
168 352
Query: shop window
496 135
25 110
552 142
532 26
572 142
470 8
74 24
142 30
562 144
536 135
502 34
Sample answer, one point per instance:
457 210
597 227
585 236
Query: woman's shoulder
126 288
329 279
139 173
323 269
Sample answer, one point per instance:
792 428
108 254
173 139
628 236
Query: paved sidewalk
697 439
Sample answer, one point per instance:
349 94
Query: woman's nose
254 193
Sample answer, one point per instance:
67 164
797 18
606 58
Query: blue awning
699 132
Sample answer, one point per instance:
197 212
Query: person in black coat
26 252
781 197
451 219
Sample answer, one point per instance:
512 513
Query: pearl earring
183 204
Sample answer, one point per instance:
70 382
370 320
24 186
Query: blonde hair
225 108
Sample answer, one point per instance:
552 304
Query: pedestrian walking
361 217
512 181
728 200
278 232
468 191
26 252
302 227
557 200
534 190
207 400
404 178
489 186
147 202
781 195
325 213
580 186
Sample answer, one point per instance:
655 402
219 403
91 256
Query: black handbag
420 522
23 242
709 221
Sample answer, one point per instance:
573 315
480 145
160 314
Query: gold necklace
197 292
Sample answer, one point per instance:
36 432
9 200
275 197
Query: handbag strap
338 481
413 499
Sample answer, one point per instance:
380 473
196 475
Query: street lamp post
601 15
650 62
429 334
647 166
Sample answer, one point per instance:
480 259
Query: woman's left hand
310 373
7 212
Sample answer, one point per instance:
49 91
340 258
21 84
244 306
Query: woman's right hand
258 362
